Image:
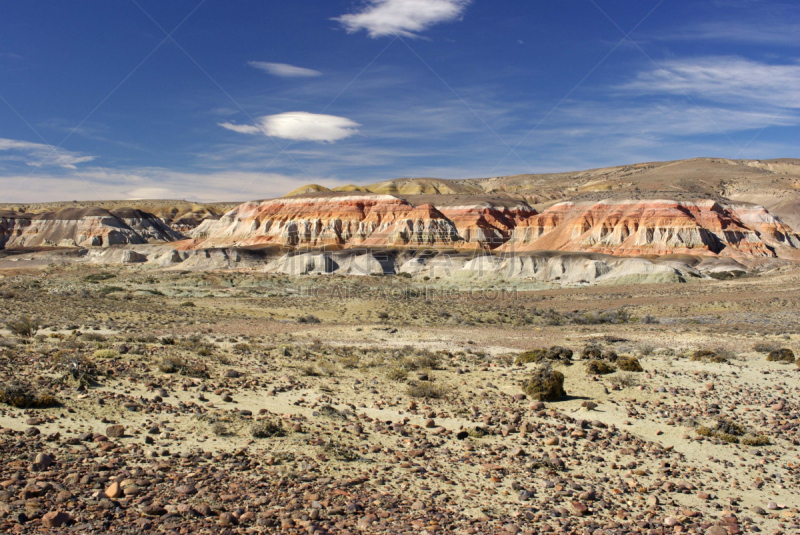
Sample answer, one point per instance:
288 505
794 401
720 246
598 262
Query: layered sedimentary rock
93 227
487 223
654 227
346 221
631 228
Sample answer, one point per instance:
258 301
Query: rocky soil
234 402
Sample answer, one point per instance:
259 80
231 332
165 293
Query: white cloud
39 154
401 17
284 70
241 128
724 79
300 126
155 183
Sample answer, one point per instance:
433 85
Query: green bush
707 355
598 367
544 384
629 364
781 355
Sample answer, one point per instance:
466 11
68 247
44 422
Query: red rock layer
653 227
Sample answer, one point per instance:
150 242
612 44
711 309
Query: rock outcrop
322 221
93 227
659 227
620 228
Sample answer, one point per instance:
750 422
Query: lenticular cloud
300 126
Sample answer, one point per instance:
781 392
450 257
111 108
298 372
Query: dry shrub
708 355
24 396
544 384
478 432
427 390
598 367
765 347
629 364
535 355
267 429
25 327
179 365
397 373
781 355
731 432
755 440
539 355
76 367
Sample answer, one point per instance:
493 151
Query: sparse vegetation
267 429
708 355
629 364
544 384
781 355
599 367
25 327
427 390
23 396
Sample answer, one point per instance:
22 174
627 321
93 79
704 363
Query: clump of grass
24 396
534 355
105 354
539 355
308 319
220 429
242 349
76 367
97 277
732 432
477 432
179 365
427 390
593 352
599 367
544 384
708 355
25 327
627 379
171 364
629 364
755 440
397 373
781 355
341 453
267 429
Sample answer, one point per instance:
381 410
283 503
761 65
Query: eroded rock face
374 220
654 227
94 227
629 228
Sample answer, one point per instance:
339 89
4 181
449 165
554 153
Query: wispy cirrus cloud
727 79
39 154
300 126
284 70
407 18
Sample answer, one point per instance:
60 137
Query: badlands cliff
619 228
93 227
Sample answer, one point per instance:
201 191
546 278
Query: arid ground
142 401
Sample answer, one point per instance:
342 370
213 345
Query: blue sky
218 100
